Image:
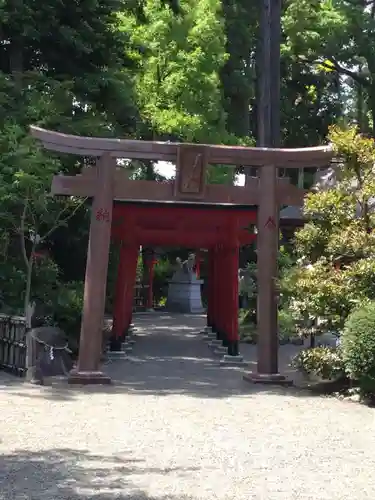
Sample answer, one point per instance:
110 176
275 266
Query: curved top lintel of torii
320 156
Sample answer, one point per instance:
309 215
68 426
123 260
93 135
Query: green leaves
358 347
63 66
336 266
178 87
336 37
323 362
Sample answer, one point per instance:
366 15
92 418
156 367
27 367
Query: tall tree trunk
268 74
16 50
361 108
32 374
275 40
236 75
264 76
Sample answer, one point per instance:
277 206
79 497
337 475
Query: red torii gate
108 185
191 225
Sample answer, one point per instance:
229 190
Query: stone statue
186 266
184 290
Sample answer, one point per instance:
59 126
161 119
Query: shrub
287 325
247 326
163 272
248 333
323 362
246 317
67 312
358 348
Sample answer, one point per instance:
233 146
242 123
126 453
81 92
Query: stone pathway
177 426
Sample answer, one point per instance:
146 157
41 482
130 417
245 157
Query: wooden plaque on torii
191 171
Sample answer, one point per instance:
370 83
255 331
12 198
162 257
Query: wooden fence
13 344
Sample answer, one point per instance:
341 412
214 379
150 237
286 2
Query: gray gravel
176 426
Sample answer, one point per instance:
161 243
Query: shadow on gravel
217 383
61 474
170 358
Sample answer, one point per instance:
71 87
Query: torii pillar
87 370
267 272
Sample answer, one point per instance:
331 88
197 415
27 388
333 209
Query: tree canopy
170 70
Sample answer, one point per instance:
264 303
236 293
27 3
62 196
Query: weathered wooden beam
216 154
141 190
175 237
72 186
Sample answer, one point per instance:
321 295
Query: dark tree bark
268 66
264 76
275 134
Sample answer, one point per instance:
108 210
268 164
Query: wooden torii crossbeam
107 182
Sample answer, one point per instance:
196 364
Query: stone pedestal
184 294
267 379
88 378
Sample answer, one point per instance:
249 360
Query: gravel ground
176 426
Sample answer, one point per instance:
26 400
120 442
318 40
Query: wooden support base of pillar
233 348
267 379
115 344
88 378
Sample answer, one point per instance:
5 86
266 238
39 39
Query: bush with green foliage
335 269
162 273
67 311
287 325
246 326
323 362
358 348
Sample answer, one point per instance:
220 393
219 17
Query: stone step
228 360
215 343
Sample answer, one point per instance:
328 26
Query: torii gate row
106 183
221 229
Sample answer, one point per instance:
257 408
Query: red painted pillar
215 291
224 292
118 327
210 288
124 294
231 300
219 295
150 295
129 295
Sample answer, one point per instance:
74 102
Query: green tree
61 73
337 37
238 73
178 86
336 266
